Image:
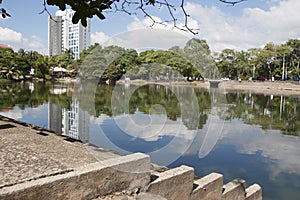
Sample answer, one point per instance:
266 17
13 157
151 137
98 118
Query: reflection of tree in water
30 95
12 94
270 112
103 100
143 98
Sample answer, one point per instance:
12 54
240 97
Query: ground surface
266 87
28 152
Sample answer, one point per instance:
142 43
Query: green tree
254 60
242 65
198 53
64 60
283 54
10 64
225 63
294 46
267 59
169 63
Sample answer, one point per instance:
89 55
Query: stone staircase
131 173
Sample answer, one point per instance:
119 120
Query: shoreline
280 88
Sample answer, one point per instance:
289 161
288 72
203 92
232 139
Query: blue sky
249 24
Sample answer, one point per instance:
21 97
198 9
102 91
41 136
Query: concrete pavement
28 152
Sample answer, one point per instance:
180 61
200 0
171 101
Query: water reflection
72 122
258 141
269 112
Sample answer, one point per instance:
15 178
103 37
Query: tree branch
88 8
232 2
46 10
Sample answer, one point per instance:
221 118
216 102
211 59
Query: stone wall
179 184
132 173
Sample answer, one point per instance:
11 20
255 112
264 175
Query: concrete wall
130 173
179 184
101 178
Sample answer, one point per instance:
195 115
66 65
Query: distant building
5 46
64 35
55 35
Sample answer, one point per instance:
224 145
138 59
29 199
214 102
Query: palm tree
10 71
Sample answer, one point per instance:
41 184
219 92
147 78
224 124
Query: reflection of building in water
76 122
55 118
72 122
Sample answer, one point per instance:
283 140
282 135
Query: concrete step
86 182
173 184
208 188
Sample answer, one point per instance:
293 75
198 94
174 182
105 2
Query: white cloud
99 37
35 43
145 34
8 35
255 27
147 22
141 39
17 41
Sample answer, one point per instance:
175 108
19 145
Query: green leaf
75 18
51 2
62 6
83 22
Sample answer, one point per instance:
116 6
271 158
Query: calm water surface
241 135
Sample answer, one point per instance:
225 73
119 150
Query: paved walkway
28 152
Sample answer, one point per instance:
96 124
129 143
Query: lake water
241 135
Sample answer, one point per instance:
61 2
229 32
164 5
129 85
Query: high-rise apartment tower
63 35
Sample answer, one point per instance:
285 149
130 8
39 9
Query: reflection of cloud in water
100 119
18 113
152 127
212 134
281 150
181 137
15 113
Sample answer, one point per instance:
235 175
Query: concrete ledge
86 182
234 190
254 192
208 187
148 196
174 184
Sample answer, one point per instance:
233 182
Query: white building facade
64 35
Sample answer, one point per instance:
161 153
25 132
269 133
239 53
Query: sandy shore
290 88
265 87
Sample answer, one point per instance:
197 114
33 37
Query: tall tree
254 60
283 54
225 62
294 46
